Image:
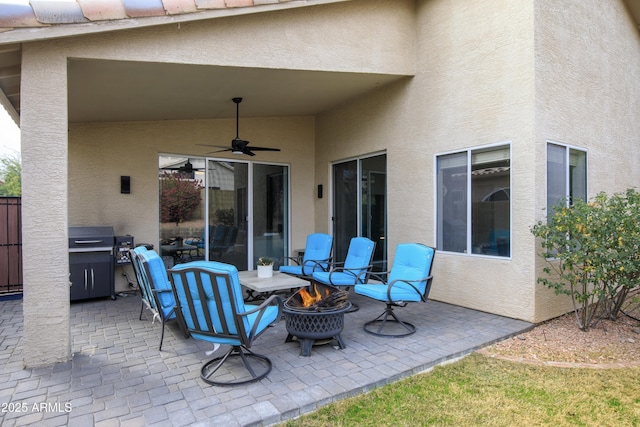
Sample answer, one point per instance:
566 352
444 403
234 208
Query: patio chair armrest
313 263
410 283
379 276
336 265
357 273
272 300
296 259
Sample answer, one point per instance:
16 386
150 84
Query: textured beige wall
44 207
587 95
99 153
474 85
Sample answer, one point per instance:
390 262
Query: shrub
179 197
592 253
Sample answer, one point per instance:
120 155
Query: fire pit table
315 314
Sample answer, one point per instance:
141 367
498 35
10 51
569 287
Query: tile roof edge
12 33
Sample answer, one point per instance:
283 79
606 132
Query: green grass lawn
482 391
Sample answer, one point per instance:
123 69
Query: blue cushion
318 248
412 262
379 292
358 259
159 279
141 276
217 315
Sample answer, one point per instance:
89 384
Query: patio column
43 125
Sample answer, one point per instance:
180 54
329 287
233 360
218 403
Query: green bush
592 253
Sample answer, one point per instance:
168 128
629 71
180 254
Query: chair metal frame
151 294
377 325
230 327
359 274
306 263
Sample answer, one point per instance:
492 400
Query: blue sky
9 135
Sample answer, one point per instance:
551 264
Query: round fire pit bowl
309 325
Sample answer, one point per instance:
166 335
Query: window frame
567 173
469 197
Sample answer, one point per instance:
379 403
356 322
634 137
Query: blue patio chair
210 300
148 301
155 281
199 242
408 281
219 249
355 269
317 256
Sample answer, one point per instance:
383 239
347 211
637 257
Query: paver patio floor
117 376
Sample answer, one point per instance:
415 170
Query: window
566 175
473 201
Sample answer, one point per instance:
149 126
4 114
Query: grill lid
91 237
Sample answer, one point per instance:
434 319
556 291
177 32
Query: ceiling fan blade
214 146
262 148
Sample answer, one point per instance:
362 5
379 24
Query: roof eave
21 35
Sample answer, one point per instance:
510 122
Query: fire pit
315 314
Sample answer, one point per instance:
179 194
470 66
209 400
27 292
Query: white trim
567 188
469 243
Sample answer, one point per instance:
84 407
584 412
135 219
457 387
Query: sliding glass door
228 212
360 205
270 211
242 211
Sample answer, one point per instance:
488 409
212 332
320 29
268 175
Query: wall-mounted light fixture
125 184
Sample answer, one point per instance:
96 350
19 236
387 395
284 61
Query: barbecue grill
91 262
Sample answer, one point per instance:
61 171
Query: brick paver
118 376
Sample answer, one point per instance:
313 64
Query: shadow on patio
118 375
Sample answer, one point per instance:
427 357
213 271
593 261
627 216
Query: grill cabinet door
91 275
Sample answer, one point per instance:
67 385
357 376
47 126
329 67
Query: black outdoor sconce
125 184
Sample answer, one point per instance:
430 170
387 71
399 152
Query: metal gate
10 245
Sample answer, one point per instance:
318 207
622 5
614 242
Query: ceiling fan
186 168
240 146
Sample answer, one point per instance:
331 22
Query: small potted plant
265 267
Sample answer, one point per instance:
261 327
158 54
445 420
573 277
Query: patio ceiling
106 91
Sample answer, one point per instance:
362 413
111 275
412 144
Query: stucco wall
587 95
99 153
44 207
477 87
474 85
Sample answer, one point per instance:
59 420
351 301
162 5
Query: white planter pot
265 271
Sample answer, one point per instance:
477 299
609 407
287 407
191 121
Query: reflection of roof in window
499 195
485 171
490 171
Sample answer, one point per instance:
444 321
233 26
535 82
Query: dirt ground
608 344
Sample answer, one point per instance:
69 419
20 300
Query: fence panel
10 245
